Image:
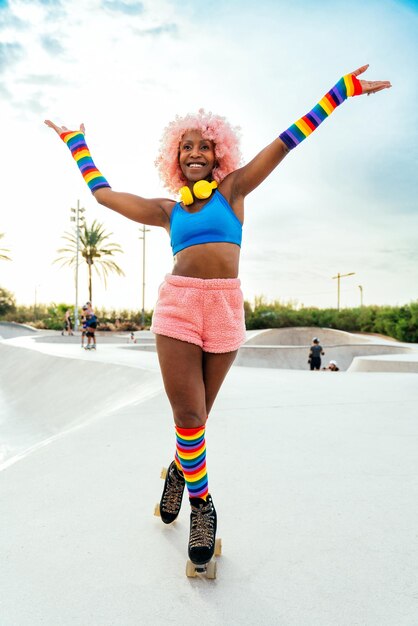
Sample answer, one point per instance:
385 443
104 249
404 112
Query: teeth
195 165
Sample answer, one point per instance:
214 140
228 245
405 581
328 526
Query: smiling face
196 156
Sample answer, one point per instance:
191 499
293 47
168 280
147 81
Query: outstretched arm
251 175
146 211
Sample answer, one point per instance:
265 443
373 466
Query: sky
344 201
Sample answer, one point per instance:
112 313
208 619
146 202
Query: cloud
8 20
42 79
52 9
47 3
5 93
164 29
127 8
34 104
406 253
9 53
52 45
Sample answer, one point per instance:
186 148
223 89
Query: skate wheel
163 473
211 569
157 510
190 570
218 547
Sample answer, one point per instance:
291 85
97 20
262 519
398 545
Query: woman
68 323
199 318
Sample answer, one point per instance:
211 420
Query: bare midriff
208 260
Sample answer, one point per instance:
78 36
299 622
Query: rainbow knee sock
347 86
177 462
176 456
81 154
191 456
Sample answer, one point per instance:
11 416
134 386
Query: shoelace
173 493
201 531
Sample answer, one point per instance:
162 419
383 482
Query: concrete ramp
386 363
288 348
11 329
303 335
296 357
42 396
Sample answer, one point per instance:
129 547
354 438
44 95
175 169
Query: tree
4 257
7 302
95 249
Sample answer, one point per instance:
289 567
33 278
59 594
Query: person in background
315 353
90 326
132 338
83 324
91 330
332 367
68 323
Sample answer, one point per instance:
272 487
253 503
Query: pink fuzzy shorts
208 312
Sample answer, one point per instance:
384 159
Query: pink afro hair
213 127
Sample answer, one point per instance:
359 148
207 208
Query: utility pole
143 230
78 219
361 295
35 312
338 277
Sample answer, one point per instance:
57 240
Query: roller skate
172 495
202 543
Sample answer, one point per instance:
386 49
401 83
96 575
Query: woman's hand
62 129
371 86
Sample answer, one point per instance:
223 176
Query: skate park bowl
43 395
288 348
12 329
320 531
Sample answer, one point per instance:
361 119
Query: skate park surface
313 474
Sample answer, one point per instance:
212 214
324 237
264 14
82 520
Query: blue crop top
216 221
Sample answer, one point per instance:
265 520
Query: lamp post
143 230
361 294
338 277
78 218
35 308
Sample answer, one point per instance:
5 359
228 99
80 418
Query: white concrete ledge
386 363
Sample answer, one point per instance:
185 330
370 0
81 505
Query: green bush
7 302
52 316
400 322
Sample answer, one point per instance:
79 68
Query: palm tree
95 249
4 257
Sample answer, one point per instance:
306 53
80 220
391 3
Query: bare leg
215 369
182 371
192 378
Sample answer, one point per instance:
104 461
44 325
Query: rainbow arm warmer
347 86
81 154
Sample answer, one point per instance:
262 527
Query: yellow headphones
201 190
